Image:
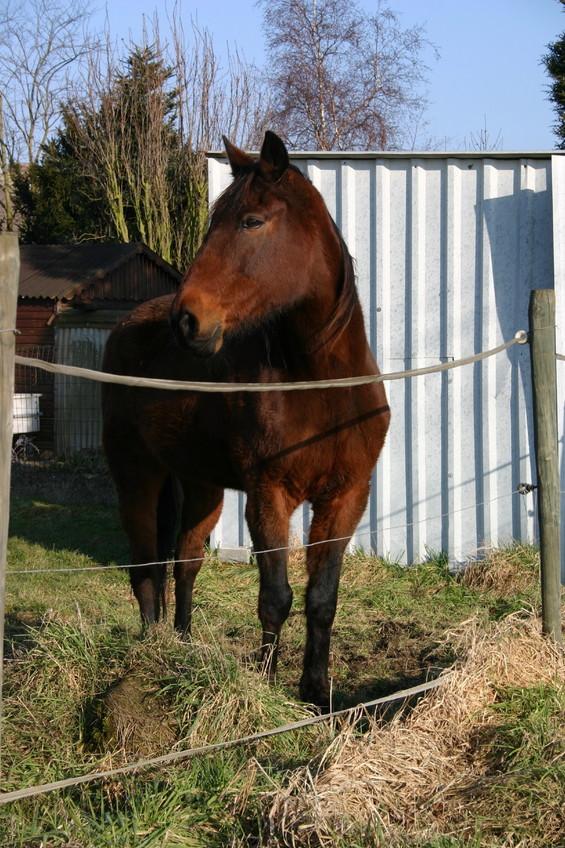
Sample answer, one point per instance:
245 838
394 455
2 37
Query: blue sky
488 74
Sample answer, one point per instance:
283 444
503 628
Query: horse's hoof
319 698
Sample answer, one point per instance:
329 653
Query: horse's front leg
335 519
268 515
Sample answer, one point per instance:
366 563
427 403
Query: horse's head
268 247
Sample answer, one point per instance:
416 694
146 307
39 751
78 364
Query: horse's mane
235 197
346 300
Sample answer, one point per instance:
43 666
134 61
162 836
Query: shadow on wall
515 256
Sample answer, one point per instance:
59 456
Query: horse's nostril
185 326
192 336
189 326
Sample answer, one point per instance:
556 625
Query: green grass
525 753
83 692
61 720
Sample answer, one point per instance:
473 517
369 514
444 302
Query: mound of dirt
135 720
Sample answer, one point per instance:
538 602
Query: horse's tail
168 517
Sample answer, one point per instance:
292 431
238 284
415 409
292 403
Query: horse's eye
252 223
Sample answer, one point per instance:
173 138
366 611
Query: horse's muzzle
189 334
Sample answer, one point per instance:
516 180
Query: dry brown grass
507 571
425 772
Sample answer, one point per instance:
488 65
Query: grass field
83 692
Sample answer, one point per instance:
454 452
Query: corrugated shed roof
61 271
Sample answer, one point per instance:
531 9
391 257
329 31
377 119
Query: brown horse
270 297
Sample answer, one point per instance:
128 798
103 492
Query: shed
70 297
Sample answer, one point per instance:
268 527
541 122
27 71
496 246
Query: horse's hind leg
138 498
335 519
201 510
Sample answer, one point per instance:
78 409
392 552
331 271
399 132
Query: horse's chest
304 441
294 438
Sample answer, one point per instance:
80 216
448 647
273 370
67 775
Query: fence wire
175 756
304 546
521 337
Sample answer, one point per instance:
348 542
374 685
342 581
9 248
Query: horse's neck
345 350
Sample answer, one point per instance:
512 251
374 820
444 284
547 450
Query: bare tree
120 131
39 41
215 100
482 140
342 79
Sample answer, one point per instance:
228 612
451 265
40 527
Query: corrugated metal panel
78 417
447 249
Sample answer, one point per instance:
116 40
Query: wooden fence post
542 341
9 280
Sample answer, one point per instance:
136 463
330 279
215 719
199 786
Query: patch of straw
508 572
413 774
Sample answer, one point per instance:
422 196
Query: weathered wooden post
9 279
542 341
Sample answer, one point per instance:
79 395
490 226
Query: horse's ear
237 158
274 157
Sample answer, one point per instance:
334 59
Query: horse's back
142 337
184 432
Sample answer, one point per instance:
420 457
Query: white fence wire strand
367 534
521 337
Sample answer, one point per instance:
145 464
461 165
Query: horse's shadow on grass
91 530
380 688
20 636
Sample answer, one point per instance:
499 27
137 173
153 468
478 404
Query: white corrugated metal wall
447 250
